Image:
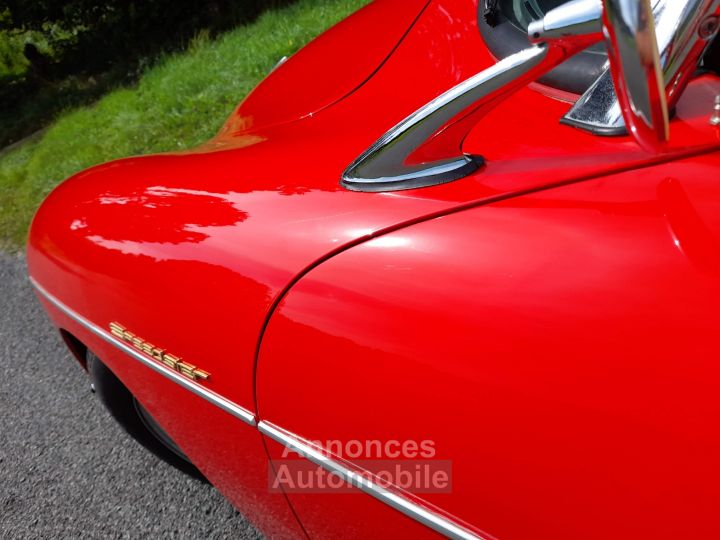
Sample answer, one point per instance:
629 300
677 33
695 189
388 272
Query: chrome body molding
433 519
208 395
598 109
422 514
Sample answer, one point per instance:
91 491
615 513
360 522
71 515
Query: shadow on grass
31 101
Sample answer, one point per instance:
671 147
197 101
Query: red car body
550 322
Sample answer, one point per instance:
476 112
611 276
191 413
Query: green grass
177 104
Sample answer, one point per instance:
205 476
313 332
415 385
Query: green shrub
92 35
12 61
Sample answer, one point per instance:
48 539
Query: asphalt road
66 469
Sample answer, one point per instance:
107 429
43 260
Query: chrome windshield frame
678 24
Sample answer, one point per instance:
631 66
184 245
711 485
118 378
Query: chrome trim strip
423 515
208 395
411 509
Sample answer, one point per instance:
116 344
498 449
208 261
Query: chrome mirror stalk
425 148
388 165
574 18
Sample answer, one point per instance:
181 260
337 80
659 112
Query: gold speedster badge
161 355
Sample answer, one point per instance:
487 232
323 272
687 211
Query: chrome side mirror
426 148
629 29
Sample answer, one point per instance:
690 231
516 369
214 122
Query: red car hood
264 205
329 68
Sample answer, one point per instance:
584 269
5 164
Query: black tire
134 419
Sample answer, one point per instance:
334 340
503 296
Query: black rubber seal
602 131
